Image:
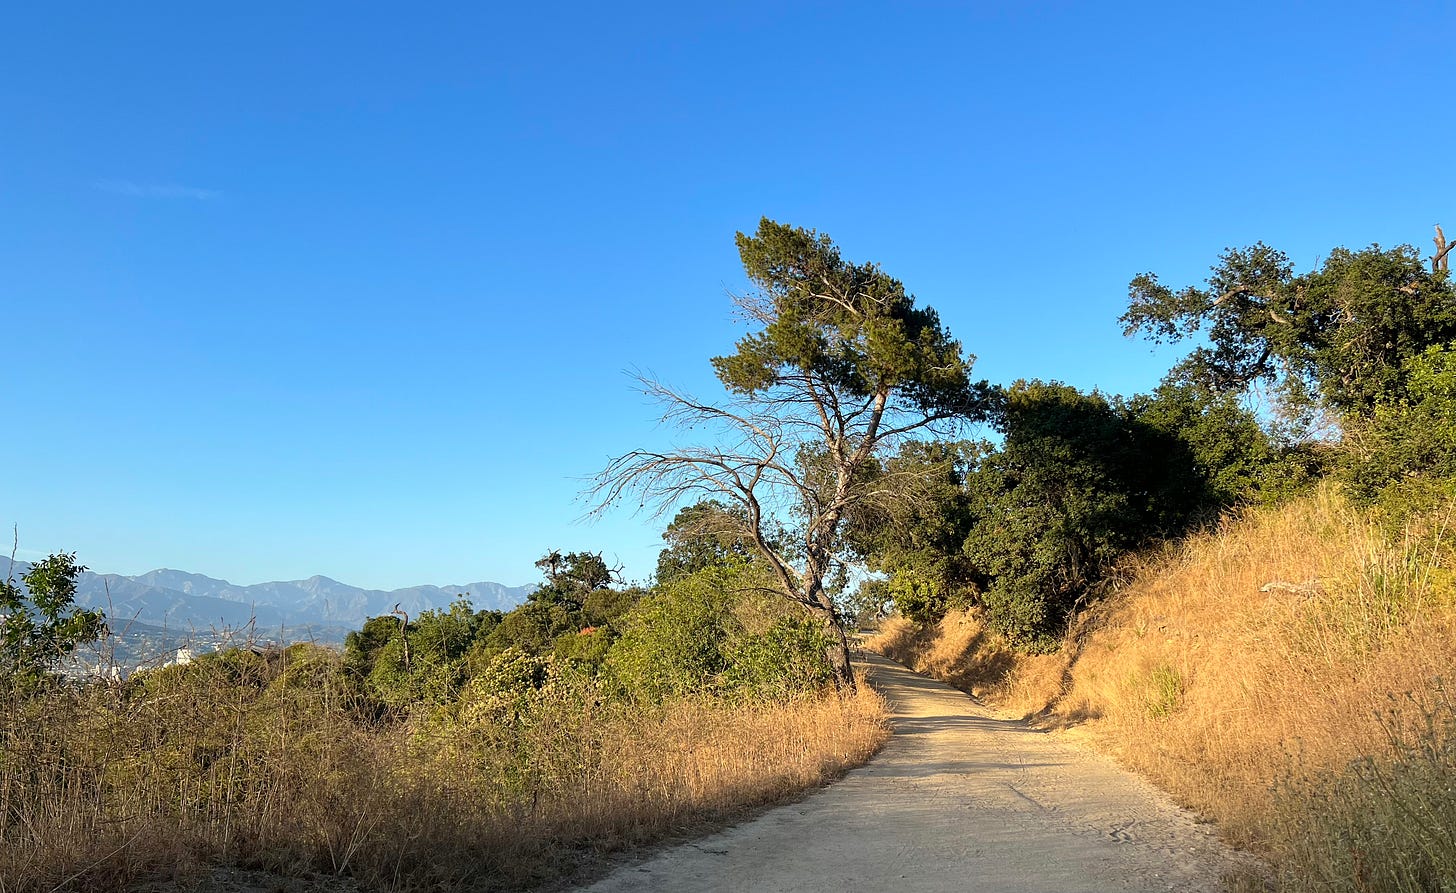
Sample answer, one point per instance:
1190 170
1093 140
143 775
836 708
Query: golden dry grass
100 791
1219 689
1247 702
962 652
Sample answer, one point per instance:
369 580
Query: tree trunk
837 651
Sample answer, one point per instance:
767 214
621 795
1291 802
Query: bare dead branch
1440 261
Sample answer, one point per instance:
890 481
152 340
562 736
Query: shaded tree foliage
1026 527
1078 480
917 537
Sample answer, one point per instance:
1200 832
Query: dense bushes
713 630
705 632
1404 456
1026 527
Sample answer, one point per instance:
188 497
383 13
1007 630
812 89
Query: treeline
1356 366
838 448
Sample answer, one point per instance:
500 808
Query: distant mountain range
181 601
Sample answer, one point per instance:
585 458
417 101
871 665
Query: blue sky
351 289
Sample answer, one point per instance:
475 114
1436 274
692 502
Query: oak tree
1335 337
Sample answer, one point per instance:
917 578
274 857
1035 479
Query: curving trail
958 800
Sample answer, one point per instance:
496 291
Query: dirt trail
957 801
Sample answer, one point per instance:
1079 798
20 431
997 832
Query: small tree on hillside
841 368
37 633
571 577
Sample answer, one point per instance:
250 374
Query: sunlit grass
1285 712
278 767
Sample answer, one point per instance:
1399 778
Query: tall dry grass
275 765
1263 707
963 651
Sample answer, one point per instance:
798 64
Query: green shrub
587 646
672 642
1163 691
1404 458
787 659
40 624
925 598
712 632
1020 614
428 661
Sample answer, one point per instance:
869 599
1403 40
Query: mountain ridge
176 598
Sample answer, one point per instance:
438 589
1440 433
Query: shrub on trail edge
710 632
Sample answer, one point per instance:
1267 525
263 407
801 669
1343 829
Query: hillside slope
1282 675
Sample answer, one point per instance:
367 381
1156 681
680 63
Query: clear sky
351 289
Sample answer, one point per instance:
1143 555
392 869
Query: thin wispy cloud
156 190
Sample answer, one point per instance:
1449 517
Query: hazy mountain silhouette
181 600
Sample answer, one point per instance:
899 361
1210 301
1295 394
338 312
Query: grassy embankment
274 766
1312 720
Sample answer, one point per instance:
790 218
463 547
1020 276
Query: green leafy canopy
851 327
1336 336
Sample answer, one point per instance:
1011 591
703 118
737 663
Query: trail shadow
905 690
953 767
954 722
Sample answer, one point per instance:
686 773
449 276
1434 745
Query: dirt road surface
958 800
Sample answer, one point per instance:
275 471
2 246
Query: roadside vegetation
505 752
1276 652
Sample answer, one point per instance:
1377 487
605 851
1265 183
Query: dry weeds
1250 703
273 769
